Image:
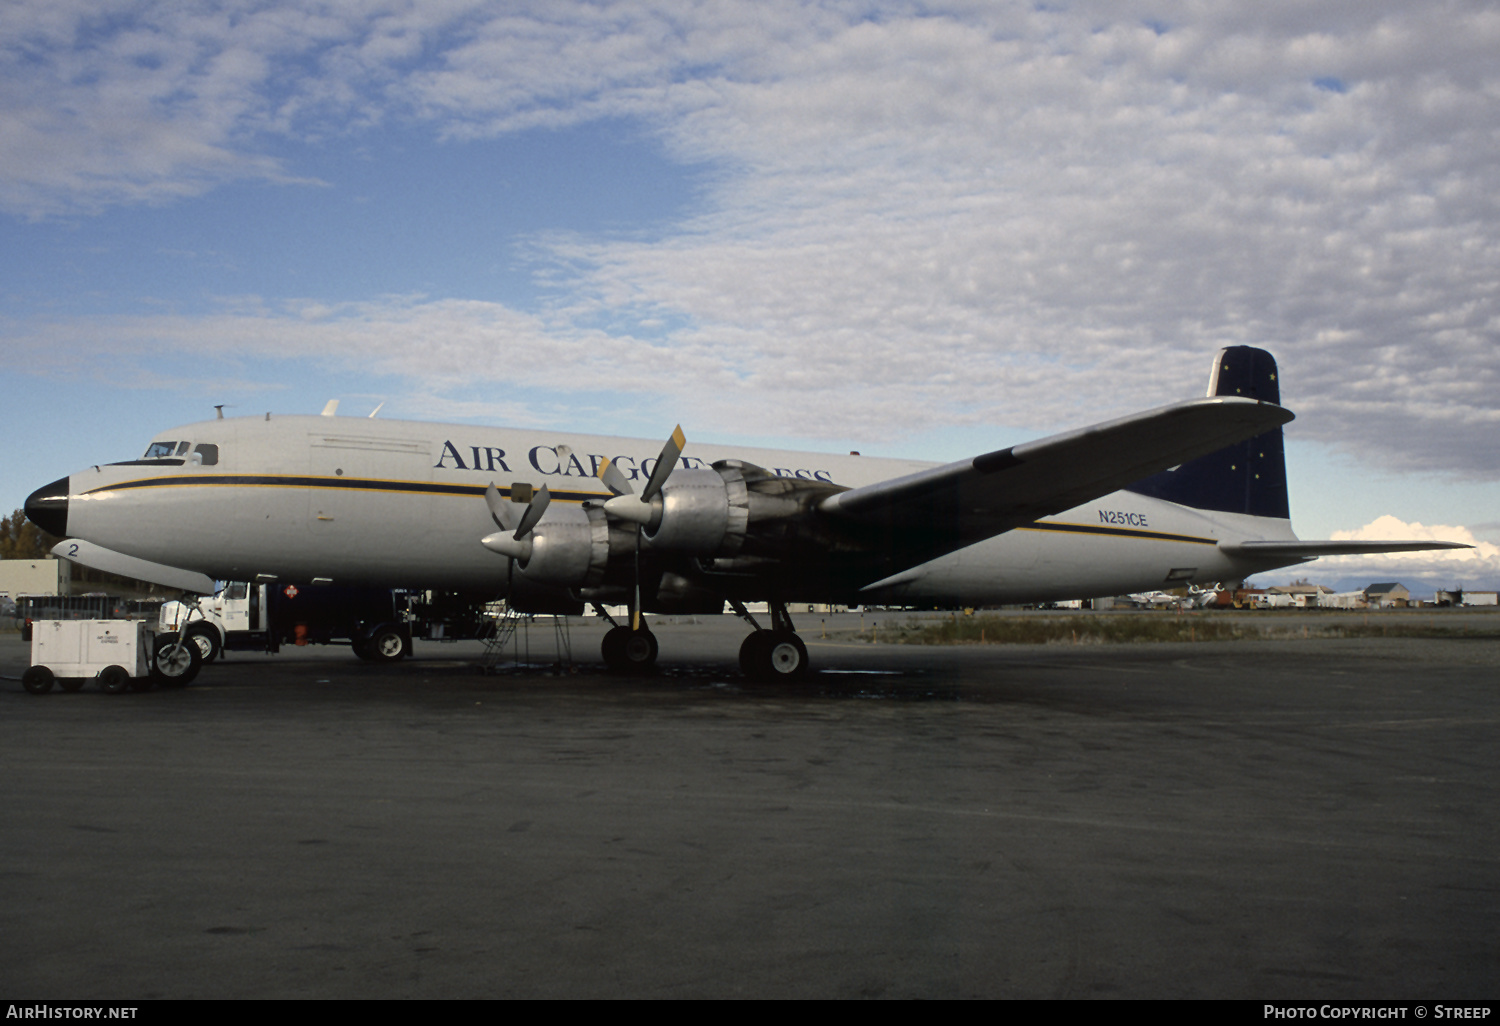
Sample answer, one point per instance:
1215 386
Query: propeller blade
665 464
533 513
614 478
503 512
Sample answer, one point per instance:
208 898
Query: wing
945 508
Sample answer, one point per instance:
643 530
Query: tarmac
1264 820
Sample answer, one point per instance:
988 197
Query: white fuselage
401 504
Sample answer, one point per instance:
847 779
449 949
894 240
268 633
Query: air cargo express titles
545 459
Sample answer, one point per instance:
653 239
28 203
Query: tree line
21 539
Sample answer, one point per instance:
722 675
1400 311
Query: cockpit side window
160 450
207 454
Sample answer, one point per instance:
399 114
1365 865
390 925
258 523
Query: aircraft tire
773 655
752 654
173 666
628 651
38 680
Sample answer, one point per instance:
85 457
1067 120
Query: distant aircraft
1186 494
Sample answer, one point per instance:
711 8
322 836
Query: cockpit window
207 455
182 447
160 450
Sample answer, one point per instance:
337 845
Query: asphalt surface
1240 820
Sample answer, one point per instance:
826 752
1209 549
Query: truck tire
386 645
174 667
207 640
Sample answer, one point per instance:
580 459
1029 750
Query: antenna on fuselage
331 408
376 410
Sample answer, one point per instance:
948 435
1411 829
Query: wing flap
960 503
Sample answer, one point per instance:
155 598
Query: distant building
49 576
1388 595
44 576
1481 598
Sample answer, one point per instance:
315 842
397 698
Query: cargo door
369 495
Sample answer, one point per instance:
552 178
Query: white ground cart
121 654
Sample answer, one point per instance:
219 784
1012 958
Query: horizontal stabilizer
97 557
1298 550
958 504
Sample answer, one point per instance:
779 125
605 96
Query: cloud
919 214
1476 567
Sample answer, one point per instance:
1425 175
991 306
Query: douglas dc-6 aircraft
1186 494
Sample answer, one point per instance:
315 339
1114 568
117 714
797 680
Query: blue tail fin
1249 477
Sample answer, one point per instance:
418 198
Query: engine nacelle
569 547
703 512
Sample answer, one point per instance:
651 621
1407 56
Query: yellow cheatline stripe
1063 527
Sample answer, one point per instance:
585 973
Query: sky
925 230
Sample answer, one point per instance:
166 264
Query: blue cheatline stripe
328 483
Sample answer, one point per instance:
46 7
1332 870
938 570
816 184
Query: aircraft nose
47 508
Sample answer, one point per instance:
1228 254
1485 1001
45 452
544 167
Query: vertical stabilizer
1248 477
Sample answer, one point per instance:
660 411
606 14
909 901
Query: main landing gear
766 655
775 654
626 650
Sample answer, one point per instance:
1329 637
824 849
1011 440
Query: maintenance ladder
513 631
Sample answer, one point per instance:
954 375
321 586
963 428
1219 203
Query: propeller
639 509
513 539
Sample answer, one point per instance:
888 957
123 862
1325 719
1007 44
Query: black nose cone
47 508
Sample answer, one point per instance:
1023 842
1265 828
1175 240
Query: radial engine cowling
705 512
702 512
568 547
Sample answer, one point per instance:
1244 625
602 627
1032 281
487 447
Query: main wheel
628 651
773 655
174 665
38 680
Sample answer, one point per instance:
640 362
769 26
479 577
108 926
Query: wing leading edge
947 507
